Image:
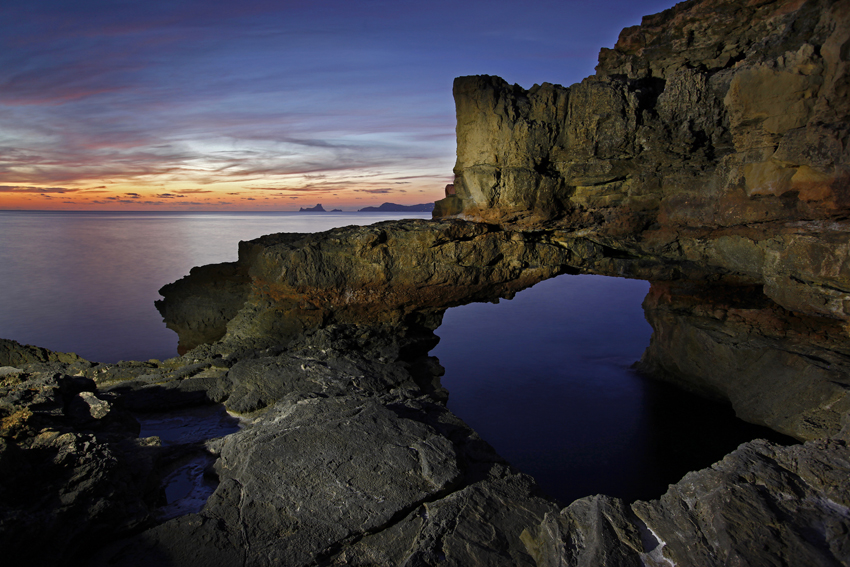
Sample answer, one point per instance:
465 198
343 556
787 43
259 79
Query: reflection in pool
546 379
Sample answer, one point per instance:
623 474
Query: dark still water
545 378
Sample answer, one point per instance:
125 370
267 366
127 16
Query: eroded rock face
792 500
381 274
761 505
397 273
716 132
71 466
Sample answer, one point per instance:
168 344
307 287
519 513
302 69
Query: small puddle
191 425
187 488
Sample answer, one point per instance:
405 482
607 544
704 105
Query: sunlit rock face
715 132
710 148
387 273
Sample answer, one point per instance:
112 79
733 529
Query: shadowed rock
761 505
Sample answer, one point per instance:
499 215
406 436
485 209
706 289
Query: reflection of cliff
708 155
778 368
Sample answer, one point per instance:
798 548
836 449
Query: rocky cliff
708 155
716 132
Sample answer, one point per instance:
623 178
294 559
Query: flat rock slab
306 476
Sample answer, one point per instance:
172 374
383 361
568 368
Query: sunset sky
261 104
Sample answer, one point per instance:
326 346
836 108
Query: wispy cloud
20 189
305 189
292 97
380 191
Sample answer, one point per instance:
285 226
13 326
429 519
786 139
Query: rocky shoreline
708 155
350 457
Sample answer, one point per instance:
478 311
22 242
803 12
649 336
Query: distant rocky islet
707 155
384 208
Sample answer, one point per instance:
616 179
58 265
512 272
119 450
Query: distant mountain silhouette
317 209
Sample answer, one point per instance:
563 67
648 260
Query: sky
261 104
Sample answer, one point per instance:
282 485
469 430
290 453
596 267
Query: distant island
317 209
394 208
385 208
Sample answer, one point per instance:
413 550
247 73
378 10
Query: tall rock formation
710 148
716 132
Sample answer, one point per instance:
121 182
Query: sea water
545 378
86 282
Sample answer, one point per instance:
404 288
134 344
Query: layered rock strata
387 273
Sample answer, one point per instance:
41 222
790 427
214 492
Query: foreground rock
355 463
348 457
761 505
72 467
348 479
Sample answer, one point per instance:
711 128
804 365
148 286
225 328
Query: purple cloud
20 189
210 91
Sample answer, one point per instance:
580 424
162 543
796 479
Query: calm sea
85 282
545 378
